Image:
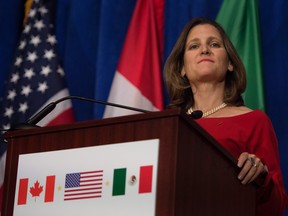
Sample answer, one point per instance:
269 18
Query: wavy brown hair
179 88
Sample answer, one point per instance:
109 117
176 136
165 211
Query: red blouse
253 133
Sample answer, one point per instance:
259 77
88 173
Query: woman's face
205 57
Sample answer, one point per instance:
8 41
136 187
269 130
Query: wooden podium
196 176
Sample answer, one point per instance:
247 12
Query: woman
204 72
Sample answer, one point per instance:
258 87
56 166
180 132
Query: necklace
210 112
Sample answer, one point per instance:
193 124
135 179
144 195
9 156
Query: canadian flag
138 81
36 190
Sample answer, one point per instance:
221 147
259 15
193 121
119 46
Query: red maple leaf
36 189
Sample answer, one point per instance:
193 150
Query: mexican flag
240 19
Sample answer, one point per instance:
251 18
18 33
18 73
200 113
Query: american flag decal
83 185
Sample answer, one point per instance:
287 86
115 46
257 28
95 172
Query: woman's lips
205 60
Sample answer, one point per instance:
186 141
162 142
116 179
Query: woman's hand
252 167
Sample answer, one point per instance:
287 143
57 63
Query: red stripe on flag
145 183
141 57
22 192
49 189
65 117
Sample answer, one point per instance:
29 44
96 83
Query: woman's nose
205 51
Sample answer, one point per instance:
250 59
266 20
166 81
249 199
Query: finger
256 174
249 169
260 169
254 171
245 170
252 161
250 174
242 159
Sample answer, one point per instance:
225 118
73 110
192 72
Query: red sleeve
253 133
271 197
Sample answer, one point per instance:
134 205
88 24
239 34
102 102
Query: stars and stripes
83 185
36 78
36 74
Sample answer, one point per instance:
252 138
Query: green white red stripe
120 180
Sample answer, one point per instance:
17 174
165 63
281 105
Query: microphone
196 114
31 122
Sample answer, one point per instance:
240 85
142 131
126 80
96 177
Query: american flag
83 185
36 78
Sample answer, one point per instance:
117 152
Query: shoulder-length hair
179 88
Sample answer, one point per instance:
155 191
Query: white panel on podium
108 180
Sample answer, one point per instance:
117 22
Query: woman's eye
214 44
193 46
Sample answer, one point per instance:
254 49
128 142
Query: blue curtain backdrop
90 38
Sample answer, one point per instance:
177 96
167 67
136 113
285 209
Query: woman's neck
207 97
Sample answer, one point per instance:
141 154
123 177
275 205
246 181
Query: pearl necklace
210 112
